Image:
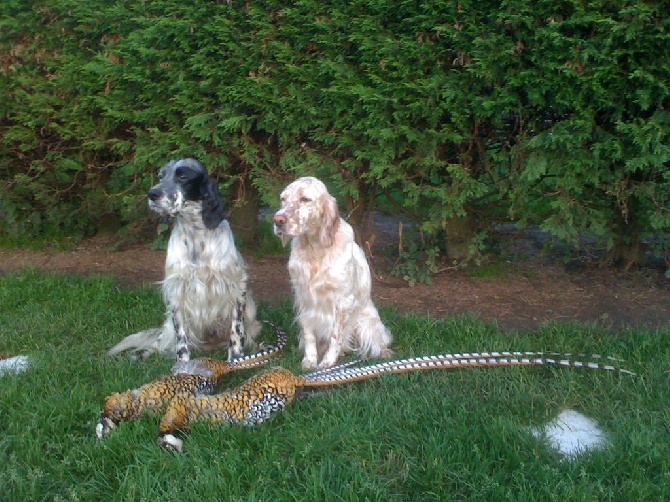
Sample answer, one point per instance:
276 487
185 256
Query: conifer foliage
551 113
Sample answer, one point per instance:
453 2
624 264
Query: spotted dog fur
205 290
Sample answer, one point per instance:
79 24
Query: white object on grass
572 433
15 365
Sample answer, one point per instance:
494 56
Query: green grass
267 242
445 435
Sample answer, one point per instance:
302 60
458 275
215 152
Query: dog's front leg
335 340
183 353
310 354
330 357
237 330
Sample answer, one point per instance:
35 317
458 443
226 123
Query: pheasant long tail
347 373
264 394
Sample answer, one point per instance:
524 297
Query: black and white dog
205 285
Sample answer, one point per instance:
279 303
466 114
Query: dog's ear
213 211
330 220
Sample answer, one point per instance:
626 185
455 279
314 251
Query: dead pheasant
262 395
194 377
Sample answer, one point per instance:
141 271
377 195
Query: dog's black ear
213 211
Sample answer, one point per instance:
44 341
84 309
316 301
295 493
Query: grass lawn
445 435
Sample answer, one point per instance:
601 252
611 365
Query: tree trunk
460 232
244 206
628 251
360 217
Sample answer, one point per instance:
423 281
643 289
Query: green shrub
549 113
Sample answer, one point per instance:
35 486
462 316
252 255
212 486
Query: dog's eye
305 199
180 175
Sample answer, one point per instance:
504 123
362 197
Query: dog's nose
154 194
279 220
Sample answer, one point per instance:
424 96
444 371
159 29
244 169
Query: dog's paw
308 364
235 352
326 363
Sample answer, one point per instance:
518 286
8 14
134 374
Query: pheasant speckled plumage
257 399
251 403
194 377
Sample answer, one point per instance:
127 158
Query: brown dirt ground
524 297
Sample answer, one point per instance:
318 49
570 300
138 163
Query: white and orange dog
330 276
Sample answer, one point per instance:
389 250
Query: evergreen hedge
551 112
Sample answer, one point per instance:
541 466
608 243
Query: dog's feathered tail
144 341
